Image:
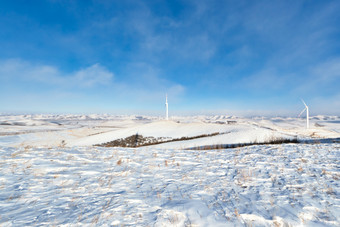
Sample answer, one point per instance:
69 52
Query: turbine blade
304 103
302 111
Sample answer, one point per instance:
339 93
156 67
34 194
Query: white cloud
18 70
267 79
34 86
321 79
327 71
93 75
144 83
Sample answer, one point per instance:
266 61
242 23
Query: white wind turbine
166 107
307 113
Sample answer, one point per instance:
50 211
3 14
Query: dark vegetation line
140 141
270 142
229 146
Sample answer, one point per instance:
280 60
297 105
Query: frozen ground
255 186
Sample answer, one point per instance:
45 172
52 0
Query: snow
82 130
52 174
290 184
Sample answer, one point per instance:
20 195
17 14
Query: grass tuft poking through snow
263 185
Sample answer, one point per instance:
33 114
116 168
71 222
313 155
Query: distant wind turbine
307 113
166 107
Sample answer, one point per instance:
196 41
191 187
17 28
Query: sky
210 57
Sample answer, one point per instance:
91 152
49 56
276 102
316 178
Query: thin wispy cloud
26 72
30 83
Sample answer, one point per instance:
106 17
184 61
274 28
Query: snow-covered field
255 186
51 174
82 130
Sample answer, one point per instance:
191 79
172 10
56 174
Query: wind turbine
307 113
166 107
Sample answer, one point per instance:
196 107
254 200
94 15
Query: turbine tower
166 107
307 113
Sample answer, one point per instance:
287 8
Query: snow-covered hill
89 130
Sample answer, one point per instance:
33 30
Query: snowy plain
51 174
88 130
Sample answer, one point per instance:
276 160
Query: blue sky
211 57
